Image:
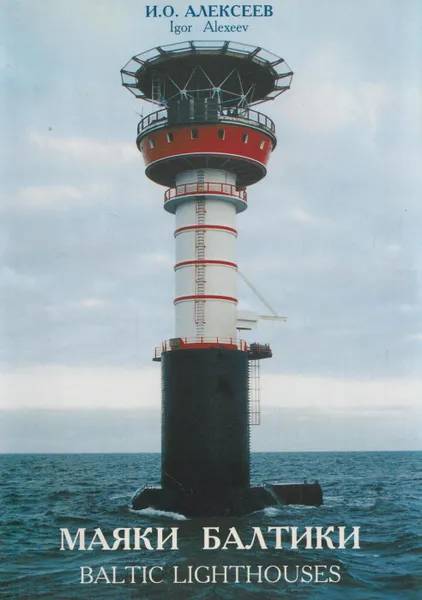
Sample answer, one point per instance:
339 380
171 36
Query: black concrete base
205 420
233 502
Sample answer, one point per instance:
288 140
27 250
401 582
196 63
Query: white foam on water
154 512
271 511
120 496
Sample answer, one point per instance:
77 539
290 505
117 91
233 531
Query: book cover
312 212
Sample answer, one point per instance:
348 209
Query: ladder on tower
254 393
200 267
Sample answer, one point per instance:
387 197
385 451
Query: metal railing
209 342
235 115
246 116
225 189
200 342
153 120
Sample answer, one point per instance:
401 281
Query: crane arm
272 318
255 291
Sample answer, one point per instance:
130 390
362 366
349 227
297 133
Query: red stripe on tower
205 226
205 297
188 263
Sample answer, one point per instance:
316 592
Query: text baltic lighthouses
206 145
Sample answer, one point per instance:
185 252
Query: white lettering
86 572
208 538
343 540
257 534
79 537
307 536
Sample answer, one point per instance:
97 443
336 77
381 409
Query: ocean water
380 492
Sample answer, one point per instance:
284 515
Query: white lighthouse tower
206 145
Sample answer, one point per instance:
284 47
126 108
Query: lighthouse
206 145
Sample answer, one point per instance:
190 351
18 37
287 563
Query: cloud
88 150
410 308
60 387
331 107
338 395
90 303
13 280
414 337
80 430
331 236
62 409
49 196
53 197
299 214
49 387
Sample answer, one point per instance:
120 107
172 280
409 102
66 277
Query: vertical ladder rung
200 269
254 393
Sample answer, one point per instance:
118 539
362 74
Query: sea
379 492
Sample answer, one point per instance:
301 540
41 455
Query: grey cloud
331 236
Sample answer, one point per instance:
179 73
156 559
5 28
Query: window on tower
262 144
170 136
151 143
194 133
245 138
221 134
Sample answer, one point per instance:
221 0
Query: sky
331 237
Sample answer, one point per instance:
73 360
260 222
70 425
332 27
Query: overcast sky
332 236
